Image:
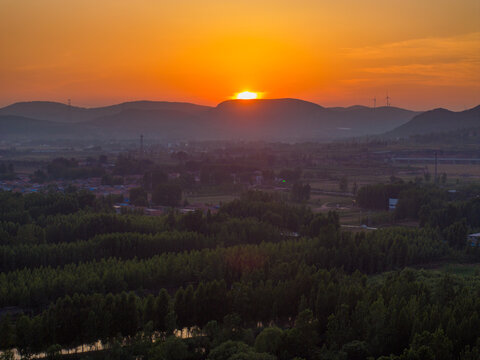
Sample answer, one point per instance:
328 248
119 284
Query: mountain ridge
438 120
20 126
60 112
269 119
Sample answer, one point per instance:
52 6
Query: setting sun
246 95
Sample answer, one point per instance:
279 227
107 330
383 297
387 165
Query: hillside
362 120
163 124
156 105
438 120
293 119
58 112
267 119
23 127
46 110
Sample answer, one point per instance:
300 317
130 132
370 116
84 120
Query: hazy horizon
340 104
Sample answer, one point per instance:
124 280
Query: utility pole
388 98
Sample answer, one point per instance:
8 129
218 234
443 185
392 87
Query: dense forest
259 279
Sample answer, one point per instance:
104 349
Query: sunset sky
425 53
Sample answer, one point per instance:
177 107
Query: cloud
434 61
444 49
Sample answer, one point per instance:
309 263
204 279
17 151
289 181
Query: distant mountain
438 120
156 105
46 110
294 119
165 123
54 111
23 127
269 119
362 120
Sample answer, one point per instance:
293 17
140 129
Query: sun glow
246 95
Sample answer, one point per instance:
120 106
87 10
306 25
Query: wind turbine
388 98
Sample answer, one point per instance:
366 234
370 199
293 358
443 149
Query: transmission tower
69 111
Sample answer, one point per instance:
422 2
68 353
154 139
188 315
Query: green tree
300 192
162 308
269 341
435 346
227 349
6 332
456 234
138 196
23 334
167 194
91 328
356 350
54 352
149 309
172 348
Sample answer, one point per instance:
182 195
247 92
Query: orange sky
426 53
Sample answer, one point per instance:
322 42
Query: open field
464 171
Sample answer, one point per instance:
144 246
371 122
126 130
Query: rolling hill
437 121
364 120
58 112
269 119
23 127
162 124
298 119
46 110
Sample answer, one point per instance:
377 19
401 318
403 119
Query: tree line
318 314
35 287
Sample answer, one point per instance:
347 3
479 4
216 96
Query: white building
474 239
392 204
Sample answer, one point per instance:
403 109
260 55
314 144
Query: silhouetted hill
157 105
269 119
438 120
165 124
293 118
19 126
348 108
46 110
54 111
362 120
